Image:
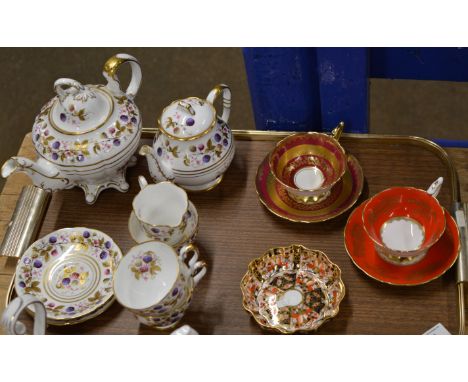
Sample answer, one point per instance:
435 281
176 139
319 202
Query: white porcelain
193 147
86 135
12 312
185 330
70 270
154 283
162 212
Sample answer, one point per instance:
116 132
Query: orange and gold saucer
439 258
343 195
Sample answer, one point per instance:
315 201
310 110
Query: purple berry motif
103 255
112 130
56 144
189 121
22 284
159 151
54 252
217 137
36 137
108 244
63 117
66 281
37 264
50 304
86 234
175 291
46 133
54 156
124 118
52 239
27 260
147 259
201 146
80 158
116 142
155 230
174 314
225 142
70 309
133 120
158 307
206 158
107 271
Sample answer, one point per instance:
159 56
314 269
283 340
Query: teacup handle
338 130
224 89
435 187
197 268
142 181
13 311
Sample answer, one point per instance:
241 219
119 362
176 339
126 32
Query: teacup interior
145 275
308 161
161 204
404 219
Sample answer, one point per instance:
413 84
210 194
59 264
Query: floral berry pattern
69 280
68 150
145 265
200 154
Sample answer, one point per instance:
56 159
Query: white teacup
164 213
155 284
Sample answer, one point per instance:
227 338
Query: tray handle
25 222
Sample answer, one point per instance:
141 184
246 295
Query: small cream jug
193 147
164 212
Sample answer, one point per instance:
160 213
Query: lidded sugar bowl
86 135
193 146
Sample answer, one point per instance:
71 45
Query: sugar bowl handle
110 73
197 268
226 92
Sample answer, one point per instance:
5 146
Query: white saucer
139 235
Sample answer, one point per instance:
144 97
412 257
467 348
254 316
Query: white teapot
193 147
86 135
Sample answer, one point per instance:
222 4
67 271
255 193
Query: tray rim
270 135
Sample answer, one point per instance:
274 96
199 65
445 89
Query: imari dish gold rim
297 253
356 180
64 263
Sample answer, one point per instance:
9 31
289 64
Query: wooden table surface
235 228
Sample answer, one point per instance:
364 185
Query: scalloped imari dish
292 289
343 195
71 272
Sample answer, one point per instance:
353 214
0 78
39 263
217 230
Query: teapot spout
42 173
158 171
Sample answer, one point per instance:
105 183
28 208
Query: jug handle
226 92
110 73
435 187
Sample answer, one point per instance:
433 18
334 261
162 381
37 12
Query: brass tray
235 227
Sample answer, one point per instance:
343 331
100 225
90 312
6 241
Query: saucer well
71 272
439 258
343 195
292 289
139 235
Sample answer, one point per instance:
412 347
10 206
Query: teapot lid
79 109
187 119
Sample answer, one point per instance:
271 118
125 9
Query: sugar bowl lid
187 119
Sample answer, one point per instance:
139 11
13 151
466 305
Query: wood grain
235 228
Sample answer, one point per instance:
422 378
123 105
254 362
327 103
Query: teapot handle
110 73
224 89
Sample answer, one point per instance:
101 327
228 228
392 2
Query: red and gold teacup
308 165
403 223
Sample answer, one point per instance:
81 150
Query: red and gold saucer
343 195
439 258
